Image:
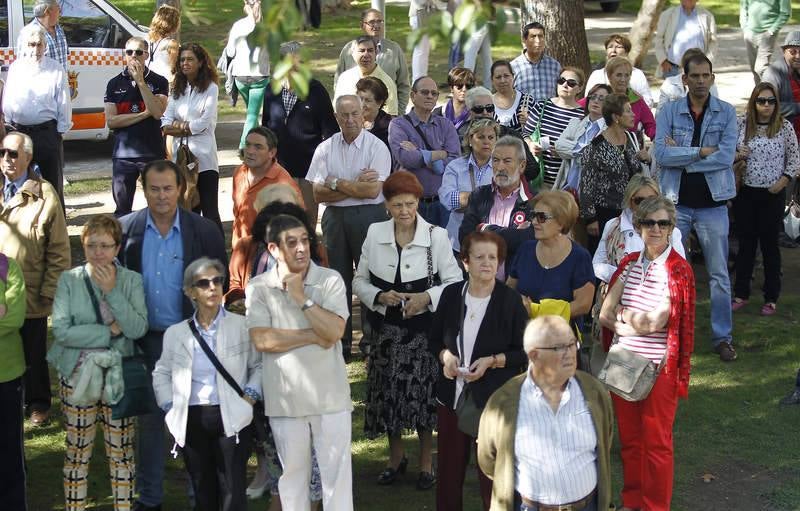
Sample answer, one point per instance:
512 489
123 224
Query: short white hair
29 33
542 328
347 97
474 93
41 7
27 142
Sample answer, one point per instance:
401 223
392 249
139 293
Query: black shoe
141 507
791 399
389 475
426 481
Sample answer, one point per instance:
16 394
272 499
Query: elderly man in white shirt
363 52
546 434
682 27
347 173
36 101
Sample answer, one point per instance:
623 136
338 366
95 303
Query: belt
572 506
34 127
429 200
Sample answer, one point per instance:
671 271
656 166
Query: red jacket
680 326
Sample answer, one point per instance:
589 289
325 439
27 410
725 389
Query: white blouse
200 109
475 311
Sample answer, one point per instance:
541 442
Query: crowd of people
506 246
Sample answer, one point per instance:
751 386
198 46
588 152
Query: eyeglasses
374 23
562 348
10 152
596 97
650 223
569 81
638 200
100 246
772 100
466 86
541 217
426 92
479 109
34 44
138 53
206 283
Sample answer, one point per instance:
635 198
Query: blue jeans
150 458
674 71
434 213
711 225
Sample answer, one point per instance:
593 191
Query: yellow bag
553 307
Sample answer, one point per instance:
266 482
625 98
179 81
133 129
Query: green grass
84 186
726 12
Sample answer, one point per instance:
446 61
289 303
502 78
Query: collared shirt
456 179
16 184
162 274
555 457
37 92
334 157
500 214
200 110
310 380
688 34
204 374
439 133
289 100
536 78
346 84
392 59
57 48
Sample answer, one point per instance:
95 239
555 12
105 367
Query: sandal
738 303
768 309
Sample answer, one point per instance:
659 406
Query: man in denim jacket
695 145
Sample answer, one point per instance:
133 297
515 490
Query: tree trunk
643 29
565 32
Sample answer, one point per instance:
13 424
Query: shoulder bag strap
429 254
471 170
3 267
214 360
419 131
95 303
461 314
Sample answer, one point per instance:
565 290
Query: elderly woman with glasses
463 175
649 311
98 313
460 80
618 71
209 418
549 118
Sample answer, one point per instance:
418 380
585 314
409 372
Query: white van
96 33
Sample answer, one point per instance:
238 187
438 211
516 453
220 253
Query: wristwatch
334 183
307 304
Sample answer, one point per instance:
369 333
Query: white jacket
665 33
172 377
379 257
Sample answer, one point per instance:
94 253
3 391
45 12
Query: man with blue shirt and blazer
159 242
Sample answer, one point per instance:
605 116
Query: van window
3 25
85 25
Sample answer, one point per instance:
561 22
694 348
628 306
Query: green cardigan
498 428
74 320
12 295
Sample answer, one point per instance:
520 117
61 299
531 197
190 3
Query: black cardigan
500 332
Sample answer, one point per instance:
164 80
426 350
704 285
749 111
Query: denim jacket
718 130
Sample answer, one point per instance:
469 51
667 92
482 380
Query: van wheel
609 6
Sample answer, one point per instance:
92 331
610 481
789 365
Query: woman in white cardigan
192 114
208 418
405 264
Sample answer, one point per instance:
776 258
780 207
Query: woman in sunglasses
649 311
209 419
460 80
98 313
549 118
767 148
511 106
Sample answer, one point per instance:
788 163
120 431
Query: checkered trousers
80 423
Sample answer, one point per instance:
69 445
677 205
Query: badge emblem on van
73 84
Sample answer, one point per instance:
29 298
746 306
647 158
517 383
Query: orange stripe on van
92 121
79 57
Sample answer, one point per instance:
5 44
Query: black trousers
12 468
208 188
759 220
48 153
217 465
37 374
124 173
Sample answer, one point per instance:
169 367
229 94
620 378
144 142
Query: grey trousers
759 50
344 229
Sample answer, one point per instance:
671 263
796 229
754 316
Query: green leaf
464 15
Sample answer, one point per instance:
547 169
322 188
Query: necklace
476 306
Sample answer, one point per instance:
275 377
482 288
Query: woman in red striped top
650 311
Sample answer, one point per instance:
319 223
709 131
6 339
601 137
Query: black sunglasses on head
772 100
478 109
10 152
206 283
138 53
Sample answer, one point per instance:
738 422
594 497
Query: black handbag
259 418
469 415
138 397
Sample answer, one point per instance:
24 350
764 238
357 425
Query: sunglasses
541 217
138 53
772 100
463 85
34 44
206 283
568 81
596 97
650 223
426 92
374 23
478 109
10 152
638 200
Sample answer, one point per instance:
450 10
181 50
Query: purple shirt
440 134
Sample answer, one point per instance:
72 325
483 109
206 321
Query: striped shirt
554 120
555 453
645 289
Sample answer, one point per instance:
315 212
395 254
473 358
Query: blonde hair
276 192
562 206
637 182
166 22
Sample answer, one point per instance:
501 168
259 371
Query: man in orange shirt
259 170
